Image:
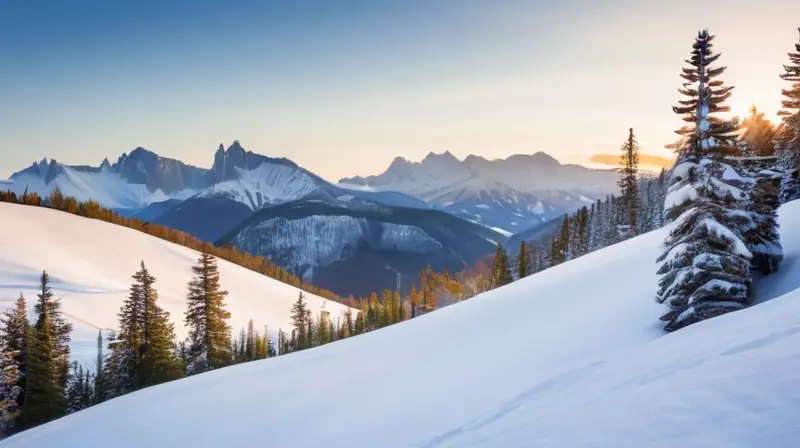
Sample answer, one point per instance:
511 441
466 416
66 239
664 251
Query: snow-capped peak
267 184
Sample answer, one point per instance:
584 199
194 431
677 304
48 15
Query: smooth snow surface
574 356
91 263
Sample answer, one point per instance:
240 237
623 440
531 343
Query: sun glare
766 104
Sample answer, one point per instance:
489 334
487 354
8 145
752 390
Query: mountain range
510 195
354 237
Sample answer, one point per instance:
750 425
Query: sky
343 87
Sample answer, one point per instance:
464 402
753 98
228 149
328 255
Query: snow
503 232
683 169
267 184
106 188
681 195
483 207
724 189
520 180
537 209
730 174
572 356
315 241
721 231
91 263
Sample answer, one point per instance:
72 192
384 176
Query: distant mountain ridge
246 199
511 194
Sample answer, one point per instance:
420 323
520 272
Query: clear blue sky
342 87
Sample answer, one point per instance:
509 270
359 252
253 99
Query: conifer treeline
635 211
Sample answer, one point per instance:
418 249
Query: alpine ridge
510 195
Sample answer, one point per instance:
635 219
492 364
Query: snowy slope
573 356
91 263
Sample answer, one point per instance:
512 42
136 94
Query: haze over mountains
511 194
441 211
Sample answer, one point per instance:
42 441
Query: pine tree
311 333
269 345
759 134
762 237
628 183
250 346
299 321
78 393
501 271
559 246
523 261
209 344
705 266
348 328
144 351
324 328
99 377
10 389
44 399
789 140
13 338
48 308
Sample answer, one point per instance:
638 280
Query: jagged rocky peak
105 165
42 166
445 156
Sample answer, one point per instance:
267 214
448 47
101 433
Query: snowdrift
573 356
91 263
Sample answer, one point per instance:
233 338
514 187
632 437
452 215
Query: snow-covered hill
512 194
573 356
91 263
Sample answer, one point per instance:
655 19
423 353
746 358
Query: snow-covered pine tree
762 238
209 344
13 331
628 184
789 139
10 390
760 176
13 336
705 265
